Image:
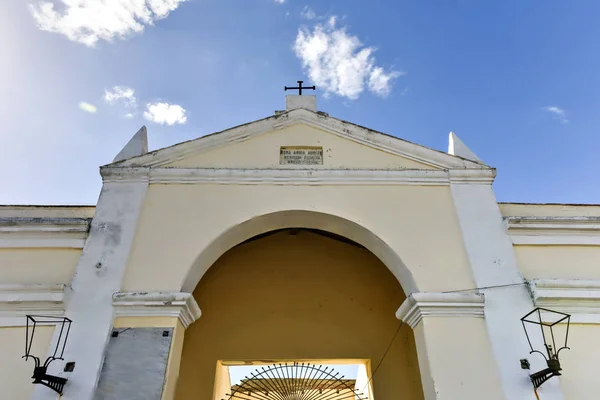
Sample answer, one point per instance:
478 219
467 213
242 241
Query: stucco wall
299 297
568 262
580 364
36 266
548 210
179 222
15 373
222 380
337 152
41 244
460 357
47 211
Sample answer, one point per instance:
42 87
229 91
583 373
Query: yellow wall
34 266
15 373
174 364
568 262
580 364
419 223
222 385
298 297
548 210
337 152
47 211
464 342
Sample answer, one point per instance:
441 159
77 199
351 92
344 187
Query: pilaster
99 274
495 271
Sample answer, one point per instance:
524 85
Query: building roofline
551 204
319 120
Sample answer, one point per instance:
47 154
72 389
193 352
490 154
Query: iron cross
300 87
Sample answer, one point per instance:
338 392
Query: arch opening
297 295
319 221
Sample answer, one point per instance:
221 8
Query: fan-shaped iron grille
295 382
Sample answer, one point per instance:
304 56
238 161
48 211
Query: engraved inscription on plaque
301 155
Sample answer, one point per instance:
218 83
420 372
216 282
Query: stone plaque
135 364
301 155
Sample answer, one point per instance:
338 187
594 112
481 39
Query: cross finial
300 87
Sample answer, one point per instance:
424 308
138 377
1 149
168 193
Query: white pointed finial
137 146
457 148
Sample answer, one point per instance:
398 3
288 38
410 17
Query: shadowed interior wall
302 296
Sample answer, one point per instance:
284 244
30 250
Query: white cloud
128 116
88 21
308 13
165 113
380 82
279 1
121 93
557 113
337 62
87 107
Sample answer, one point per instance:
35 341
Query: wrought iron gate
295 382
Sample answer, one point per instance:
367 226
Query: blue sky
518 81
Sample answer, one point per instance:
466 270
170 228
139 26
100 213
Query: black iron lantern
40 376
547 321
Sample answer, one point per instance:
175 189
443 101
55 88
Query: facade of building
298 238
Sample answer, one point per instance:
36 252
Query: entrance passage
297 295
297 381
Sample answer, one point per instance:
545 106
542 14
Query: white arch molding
245 230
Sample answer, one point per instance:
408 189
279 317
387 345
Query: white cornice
580 298
226 176
17 301
43 232
420 305
317 120
472 176
157 304
554 230
125 174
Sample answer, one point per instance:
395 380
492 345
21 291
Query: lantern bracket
542 376
40 371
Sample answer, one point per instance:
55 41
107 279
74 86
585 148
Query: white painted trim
555 240
582 231
16 232
125 174
317 120
578 297
493 263
420 305
99 274
227 176
17 301
157 304
471 176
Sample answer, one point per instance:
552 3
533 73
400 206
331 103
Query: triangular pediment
265 143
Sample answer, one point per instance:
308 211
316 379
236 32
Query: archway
327 222
298 294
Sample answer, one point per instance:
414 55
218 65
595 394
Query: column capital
157 304
431 304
